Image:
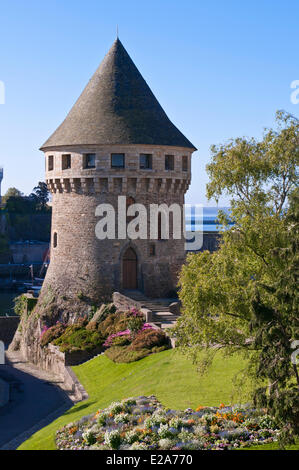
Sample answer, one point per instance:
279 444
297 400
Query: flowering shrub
49 334
109 340
124 336
142 424
112 439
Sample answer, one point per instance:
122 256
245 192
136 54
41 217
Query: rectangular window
117 160
169 162
145 161
185 164
152 250
66 162
50 162
89 160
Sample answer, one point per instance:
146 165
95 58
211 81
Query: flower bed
124 336
144 424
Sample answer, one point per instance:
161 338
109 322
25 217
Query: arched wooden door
129 265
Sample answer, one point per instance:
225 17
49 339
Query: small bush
92 326
76 338
52 334
135 324
149 339
121 341
122 354
114 323
23 303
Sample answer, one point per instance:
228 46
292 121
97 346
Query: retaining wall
8 327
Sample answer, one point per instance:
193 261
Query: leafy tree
244 297
40 195
11 192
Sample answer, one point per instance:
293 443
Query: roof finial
117 31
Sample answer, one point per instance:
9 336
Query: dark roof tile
117 107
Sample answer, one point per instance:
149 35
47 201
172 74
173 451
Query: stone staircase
160 308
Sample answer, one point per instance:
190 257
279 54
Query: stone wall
28 252
8 327
123 302
48 358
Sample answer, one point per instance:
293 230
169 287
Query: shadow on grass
76 409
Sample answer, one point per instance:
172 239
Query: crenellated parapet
118 185
146 169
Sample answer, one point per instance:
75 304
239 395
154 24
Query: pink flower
44 329
116 335
147 326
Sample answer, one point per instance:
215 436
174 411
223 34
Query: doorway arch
129 269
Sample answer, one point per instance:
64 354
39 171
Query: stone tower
116 141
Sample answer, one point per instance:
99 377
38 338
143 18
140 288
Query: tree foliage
244 297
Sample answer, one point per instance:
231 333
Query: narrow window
152 249
145 161
169 162
185 164
117 160
55 240
89 160
159 226
50 162
66 162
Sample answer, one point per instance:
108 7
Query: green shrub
78 338
52 333
121 341
122 354
135 324
22 303
149 339
114 323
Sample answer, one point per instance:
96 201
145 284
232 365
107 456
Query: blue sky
220 69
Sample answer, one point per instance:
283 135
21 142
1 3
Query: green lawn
168 375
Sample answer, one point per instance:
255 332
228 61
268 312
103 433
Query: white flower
131 437
138 446
165 444
121 418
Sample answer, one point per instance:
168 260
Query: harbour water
7 303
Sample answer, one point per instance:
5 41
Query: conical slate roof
117 107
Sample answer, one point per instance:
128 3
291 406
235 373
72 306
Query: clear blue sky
219 68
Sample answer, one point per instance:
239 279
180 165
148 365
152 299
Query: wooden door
130 269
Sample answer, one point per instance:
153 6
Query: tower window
66 162
185 164
89 160
169 162
50 162
159 226
55 240
117 160
145 161
152 249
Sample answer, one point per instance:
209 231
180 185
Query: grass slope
168 375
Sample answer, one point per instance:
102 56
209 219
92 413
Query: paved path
35 401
